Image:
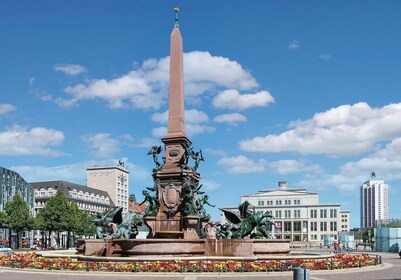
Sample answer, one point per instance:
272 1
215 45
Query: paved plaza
390 269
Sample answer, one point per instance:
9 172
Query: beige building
298 215
111 179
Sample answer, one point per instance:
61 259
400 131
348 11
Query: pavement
390 269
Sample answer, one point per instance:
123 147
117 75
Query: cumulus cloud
232 99
342 131
242 164
18 141
293 166
194 120
147 86
61 102
191 116
69 69
6 108
230 118
210 185
293 45
102 144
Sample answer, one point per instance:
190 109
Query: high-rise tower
374 201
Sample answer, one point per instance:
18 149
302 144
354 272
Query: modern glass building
11 184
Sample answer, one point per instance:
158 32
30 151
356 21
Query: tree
18 217
57 215
3 220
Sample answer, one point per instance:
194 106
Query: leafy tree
3 220
56 215
18 216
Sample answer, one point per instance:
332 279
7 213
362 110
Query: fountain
177 220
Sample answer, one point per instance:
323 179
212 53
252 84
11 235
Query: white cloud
192 116
293 45
102 144
159 132
293 166
131 87
17 141
230 118
69 69
193 122
146 87
209 185
242 164
61 102
342 131
232 99
325 56
6 108
194 129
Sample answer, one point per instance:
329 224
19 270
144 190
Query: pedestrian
340 247
335 246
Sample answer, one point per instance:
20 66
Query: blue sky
305 91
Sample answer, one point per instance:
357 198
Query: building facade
297 214
374 202
11 184
88 199
112 179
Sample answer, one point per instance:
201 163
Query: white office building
298 215
374 202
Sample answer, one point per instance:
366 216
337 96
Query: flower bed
32 260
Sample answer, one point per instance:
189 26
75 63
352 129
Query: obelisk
176 112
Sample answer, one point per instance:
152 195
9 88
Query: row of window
323 226
287 214
323 213
279 202
82 206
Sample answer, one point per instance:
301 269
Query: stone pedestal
191 226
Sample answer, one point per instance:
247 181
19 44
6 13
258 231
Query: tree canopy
17 215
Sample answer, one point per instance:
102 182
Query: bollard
301 274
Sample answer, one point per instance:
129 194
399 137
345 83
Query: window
287 226
287 214
278 214
313 213
278 202
269 202
297 213
333 226
323 213
333 213
287 202
313 226
323 226
261 203
297 226
297 201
